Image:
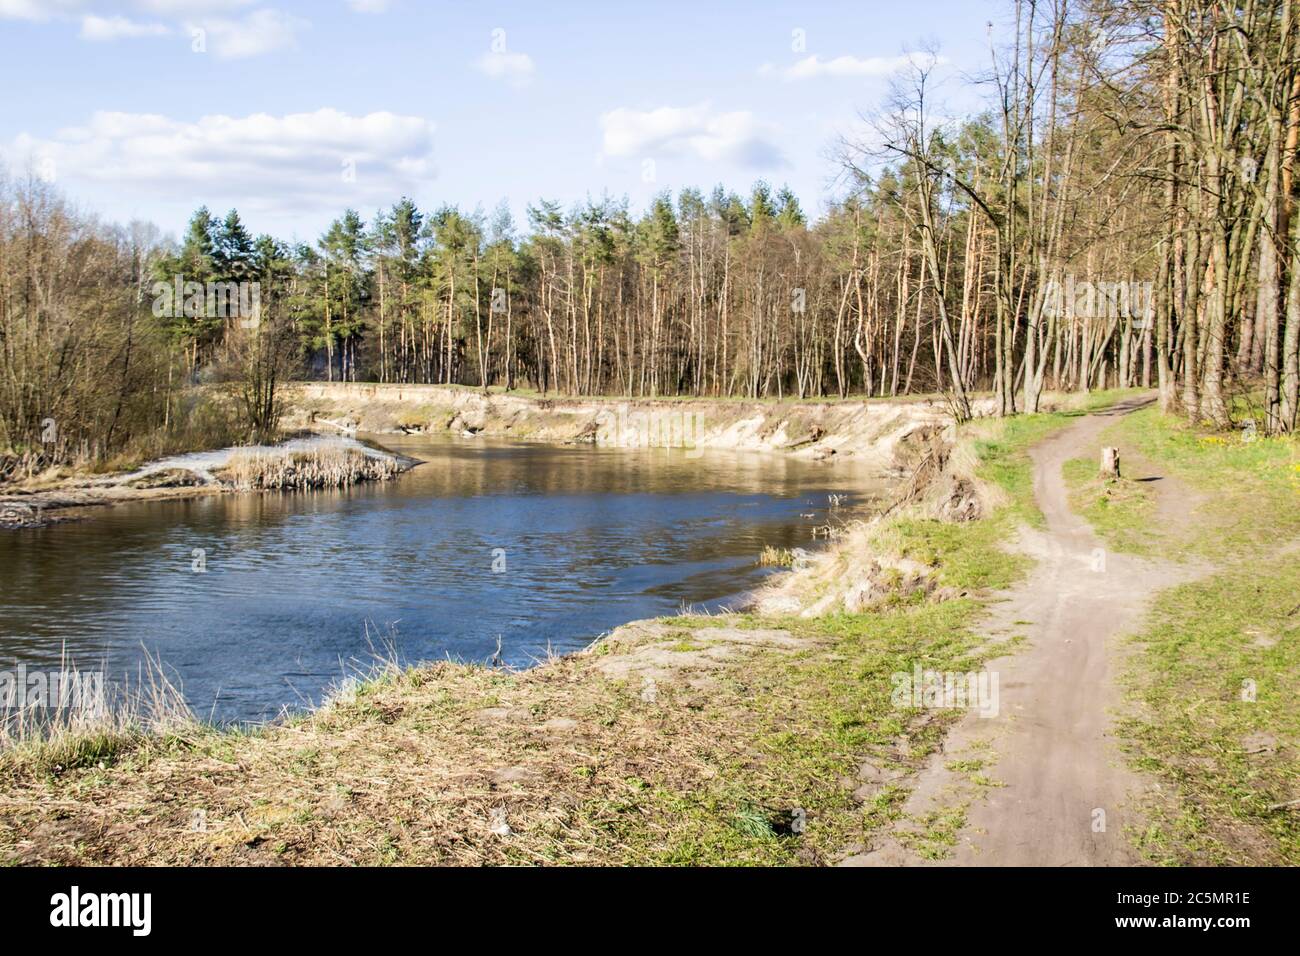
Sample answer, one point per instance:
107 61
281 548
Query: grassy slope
1223 758
818 720
408 769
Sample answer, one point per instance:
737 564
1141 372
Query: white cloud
369 6
192 8
114 28
871 66
227 30
42 10
37 10
516 68
282 165
736 137
262 31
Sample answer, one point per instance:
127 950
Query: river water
255 603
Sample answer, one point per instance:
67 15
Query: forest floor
778 739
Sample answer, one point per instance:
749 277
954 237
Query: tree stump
1110 463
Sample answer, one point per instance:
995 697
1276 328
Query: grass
696 740
1215 668
89 724
1220 723
810 723
1250 488
969 555
772 557
1121 511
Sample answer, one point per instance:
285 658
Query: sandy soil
1052 788
872 429
885 433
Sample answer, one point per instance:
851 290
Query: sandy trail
1063 795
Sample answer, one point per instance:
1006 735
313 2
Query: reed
297 470
771 557
95 724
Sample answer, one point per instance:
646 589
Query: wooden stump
1110 463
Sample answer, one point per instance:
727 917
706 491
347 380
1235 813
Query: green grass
1208 648
937 836
971 556
1211 645
769 739
817 717
1250 489
811 721
1121 511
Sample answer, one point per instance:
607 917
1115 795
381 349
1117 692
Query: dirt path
1042 783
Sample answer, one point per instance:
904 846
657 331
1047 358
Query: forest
1120 213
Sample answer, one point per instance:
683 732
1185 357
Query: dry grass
297 470
669 742
92 724
683 741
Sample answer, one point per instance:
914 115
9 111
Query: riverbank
872 429
891 435
291 465
760 738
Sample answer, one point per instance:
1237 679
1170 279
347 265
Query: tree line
1121 214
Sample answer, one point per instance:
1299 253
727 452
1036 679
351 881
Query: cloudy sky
292 111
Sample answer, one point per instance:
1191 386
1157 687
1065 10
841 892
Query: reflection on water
539 545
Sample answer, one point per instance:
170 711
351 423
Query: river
255 603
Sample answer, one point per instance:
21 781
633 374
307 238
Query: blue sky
293 111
